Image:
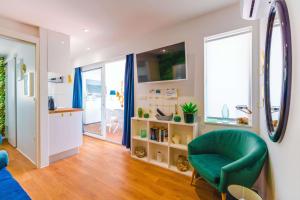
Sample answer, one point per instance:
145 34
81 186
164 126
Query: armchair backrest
234 143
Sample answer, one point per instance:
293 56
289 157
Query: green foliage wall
2 94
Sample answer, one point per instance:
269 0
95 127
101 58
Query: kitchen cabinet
65 128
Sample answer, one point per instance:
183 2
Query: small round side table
238 192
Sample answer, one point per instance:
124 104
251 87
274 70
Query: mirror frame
279 7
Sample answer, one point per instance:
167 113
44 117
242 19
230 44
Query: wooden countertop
63 110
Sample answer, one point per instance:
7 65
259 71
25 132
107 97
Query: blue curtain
77 89
128 99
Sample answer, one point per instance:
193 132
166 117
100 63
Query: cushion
3 158
209 165
10 188
4 175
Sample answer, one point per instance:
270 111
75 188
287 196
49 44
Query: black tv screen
163 64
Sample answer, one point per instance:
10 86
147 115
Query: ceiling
107 21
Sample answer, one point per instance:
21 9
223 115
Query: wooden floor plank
105 171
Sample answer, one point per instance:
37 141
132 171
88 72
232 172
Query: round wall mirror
278 70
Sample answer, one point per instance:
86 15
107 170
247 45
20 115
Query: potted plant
146 115
189 111
177 118
140 112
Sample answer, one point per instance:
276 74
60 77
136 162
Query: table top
240 192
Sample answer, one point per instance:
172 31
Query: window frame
224 35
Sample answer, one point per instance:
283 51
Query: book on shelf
159 134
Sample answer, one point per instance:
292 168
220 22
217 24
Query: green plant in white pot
189 110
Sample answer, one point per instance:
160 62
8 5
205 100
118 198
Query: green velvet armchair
225 157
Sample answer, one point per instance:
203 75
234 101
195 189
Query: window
228 61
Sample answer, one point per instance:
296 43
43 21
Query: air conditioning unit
255 9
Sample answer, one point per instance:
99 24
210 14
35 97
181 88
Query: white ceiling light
86 30
88 48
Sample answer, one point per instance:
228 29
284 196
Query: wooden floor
114 134
103 171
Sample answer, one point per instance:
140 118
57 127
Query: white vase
159 156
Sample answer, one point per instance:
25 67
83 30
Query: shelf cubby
181 135
160 140
173 156
136 143
154 149
137 126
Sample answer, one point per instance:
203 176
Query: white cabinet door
65 131
74 124
58 52
56 131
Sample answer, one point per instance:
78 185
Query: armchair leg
223 194
193 177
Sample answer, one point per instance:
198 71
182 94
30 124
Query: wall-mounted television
163 64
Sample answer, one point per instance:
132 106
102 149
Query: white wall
61 92
193 33
282 171
59 64
44 129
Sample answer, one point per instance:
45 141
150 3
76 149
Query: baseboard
63 155
26 156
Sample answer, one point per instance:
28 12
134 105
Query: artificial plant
189 108
2 94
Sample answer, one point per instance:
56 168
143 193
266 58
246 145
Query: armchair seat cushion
209 165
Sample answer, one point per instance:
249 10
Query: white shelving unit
168 149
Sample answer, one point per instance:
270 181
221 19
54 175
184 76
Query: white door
93 101
26 105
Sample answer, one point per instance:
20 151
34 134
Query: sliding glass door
114 106
93 101
103 100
